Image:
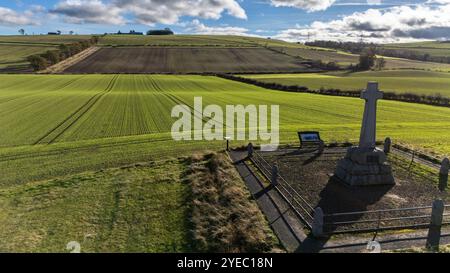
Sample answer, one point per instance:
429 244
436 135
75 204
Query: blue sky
296 20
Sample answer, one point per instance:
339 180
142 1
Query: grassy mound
224 217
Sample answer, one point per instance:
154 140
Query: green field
345 59
15 55
189 41
400 81
14 50
100 121
90 158
141 208
434 48
42 39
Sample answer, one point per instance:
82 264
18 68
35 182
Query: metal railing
379 220
300 206
351 222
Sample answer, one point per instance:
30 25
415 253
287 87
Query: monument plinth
367 165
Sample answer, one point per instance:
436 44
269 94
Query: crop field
186 60
99 121
401 81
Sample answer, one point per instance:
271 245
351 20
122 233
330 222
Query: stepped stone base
365 167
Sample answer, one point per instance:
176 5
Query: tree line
42 61
435 100
358 48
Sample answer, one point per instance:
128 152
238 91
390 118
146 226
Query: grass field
345 59
14 50
325 55
186 60
100 121
186 204
401 81
42 39
140 208
434 48
190 41
90 158
14 56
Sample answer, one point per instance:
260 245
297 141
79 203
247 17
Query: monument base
365 167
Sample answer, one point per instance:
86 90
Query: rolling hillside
433 48
14 50
399 81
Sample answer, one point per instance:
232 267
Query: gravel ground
311 175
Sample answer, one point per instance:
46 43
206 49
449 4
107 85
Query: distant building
132 32
54 33
166 31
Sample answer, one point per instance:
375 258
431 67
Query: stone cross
369 124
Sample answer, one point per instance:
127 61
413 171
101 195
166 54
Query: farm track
62 127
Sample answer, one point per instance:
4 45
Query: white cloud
401 23
374 2
197 27
89 11
438 1
147 12
9 17
309 5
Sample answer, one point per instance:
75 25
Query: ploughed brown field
187 60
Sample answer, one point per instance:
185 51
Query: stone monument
366 165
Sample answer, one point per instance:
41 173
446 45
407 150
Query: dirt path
63 65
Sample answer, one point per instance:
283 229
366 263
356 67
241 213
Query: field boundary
63 65
402 97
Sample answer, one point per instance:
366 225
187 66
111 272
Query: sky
291 20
